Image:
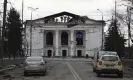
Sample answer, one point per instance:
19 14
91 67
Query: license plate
110 66
33 65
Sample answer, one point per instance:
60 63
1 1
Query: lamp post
102 29
33 9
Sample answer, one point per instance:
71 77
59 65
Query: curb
10 67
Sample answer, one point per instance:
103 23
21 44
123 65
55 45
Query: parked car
34 64
97 56
109 64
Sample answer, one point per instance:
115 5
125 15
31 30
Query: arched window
79 38
64 38
49 38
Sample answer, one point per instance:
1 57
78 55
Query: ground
65 69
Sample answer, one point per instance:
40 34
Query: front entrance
64 53
49 52
79 53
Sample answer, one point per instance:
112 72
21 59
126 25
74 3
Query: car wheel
25 74
98 74
44 72
120 75
94 70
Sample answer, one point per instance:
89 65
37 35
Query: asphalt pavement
65 69
85 72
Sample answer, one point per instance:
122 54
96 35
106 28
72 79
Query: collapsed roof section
67 18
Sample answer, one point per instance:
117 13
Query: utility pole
102 47
33 9
115 9
21 50
3 28
22 11
115 27
4 20
129 34
0 39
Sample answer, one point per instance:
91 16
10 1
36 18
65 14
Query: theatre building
63 34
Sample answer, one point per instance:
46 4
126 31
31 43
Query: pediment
63 17
66 18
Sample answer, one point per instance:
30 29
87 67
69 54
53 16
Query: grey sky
48 7
79 7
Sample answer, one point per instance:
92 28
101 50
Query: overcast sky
48 7
79 7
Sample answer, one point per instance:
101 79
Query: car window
109 58
33 59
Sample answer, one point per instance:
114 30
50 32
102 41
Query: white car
109 64
34 64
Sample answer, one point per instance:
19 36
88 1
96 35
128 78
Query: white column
44 43
72 42
57 42
86 40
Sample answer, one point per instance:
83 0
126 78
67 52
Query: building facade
64 34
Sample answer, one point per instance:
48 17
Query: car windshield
34 59
109 58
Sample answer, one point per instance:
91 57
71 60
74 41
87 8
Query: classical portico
64 42
65 34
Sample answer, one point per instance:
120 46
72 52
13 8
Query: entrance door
64 53
49 53
79 53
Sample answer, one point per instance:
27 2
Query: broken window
79 38
64 38
49 38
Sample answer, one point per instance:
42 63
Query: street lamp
102 29
33 9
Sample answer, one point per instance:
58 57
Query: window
49 38
64 38
79 38
110 58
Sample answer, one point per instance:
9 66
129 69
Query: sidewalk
127 62
70 59
7 63
128 67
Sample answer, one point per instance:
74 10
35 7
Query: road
63 70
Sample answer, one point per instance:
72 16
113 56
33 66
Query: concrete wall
37 41
94 39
